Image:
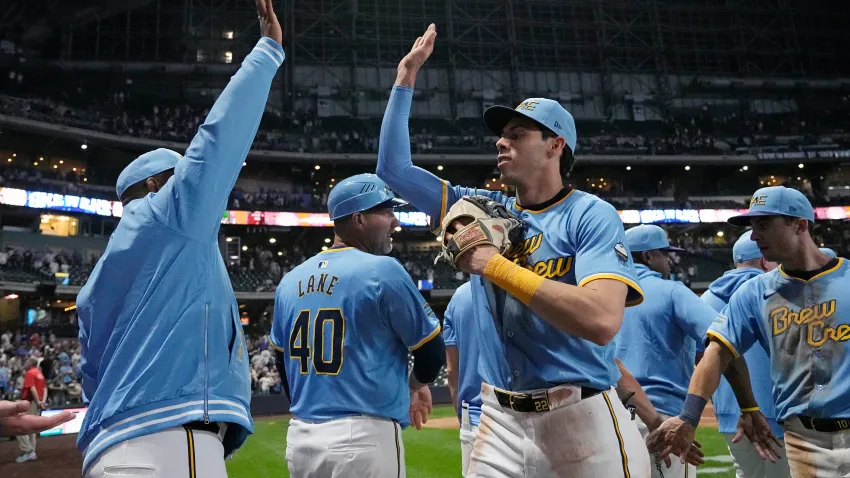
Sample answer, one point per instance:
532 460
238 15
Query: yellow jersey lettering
814 319
777 316
824 334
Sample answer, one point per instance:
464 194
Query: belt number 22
299 346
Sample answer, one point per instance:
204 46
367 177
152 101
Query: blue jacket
159 325
724 401
660 337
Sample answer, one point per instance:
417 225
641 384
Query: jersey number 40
299 341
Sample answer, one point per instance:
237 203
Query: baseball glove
487 222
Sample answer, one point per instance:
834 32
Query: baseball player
344 322
658 340
798 313
164 363
749 263
462 367
544 323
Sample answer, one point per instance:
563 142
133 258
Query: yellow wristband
751 409
517 281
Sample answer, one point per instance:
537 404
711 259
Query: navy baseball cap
776 201
648 237
745 249
543 111
360 193
145 166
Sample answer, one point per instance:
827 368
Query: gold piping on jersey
625 280
619 435
426 339
714 335
828 271
442 208
531 211
337 249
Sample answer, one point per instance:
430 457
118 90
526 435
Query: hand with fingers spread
15 421
420 406
756 428
674 436
269 26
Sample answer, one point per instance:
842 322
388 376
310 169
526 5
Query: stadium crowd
58 359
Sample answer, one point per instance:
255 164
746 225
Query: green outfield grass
429 453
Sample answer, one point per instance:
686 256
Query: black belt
828 425
212 427
535 401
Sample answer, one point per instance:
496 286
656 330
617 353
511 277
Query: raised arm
395 166
206 174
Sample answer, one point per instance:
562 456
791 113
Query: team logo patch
621 251
323 265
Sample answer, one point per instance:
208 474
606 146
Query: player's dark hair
567 158
638 258
140 189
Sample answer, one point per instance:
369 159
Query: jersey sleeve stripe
712 334
275 346
625 280
439 221
426 339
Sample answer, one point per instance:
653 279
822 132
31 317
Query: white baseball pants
748 463
659 469
172 453
591 438
467 438
814 454
353 446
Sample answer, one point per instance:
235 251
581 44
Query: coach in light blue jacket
165 366
749 263
660 337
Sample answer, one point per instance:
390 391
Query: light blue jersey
725 404
805 327
345 321
459 330
659 339
162 344
576 240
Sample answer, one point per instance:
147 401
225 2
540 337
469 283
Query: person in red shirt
35 390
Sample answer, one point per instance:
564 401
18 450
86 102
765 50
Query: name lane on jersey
318 283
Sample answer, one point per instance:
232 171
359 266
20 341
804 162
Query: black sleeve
429 359
281 370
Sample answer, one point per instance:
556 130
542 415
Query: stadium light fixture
487 185
10 160
229 239
327 240
745 167
324 248
272 240
244 163
280 253
332 179
55 166
74 169
719 233
397 229
35 163
84 146
61 161
244 248
14 155
628 168
801 166
317 167
799 178
439 168
11 297
687 168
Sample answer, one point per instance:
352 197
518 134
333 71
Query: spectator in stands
35 391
